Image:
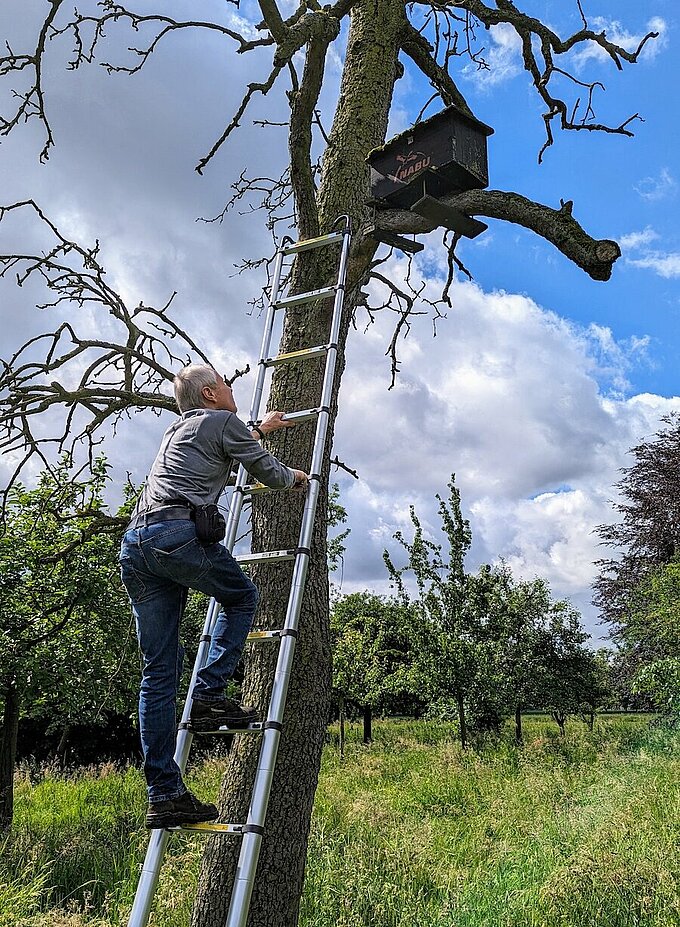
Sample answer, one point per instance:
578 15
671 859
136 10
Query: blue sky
619 186
540 379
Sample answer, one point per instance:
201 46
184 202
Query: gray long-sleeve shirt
195 458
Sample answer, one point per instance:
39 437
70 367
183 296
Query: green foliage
639 593
373 658
489 646
337 515
651 638
450 653
66 635
660 679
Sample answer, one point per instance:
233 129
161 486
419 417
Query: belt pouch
210 524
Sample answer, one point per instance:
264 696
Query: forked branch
86 383
540 47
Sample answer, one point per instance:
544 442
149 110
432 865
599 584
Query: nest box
443 155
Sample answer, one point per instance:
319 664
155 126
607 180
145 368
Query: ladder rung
263 635
301 298
310 243
257 727
253 488
293 356
266 555
304 415
222 829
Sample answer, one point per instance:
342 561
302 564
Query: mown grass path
410 832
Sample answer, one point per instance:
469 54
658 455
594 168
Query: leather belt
167 513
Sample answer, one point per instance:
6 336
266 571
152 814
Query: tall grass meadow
411 831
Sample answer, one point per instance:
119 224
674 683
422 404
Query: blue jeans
159 564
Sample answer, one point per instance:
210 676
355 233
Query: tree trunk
342 726
63 745
560 719
368 724
8 754
462 721
591 721
519 737
360 124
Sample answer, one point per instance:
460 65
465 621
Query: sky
539 379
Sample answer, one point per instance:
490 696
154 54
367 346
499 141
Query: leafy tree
567 662
651 638
517 632
373 654
67 651
595 684
646 534
433 39
450 646
536 657
639 593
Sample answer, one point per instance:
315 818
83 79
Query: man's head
198 386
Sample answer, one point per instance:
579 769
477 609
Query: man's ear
208 393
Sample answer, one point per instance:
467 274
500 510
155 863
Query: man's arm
242 445
272 422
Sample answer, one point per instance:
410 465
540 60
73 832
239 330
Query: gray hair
188 386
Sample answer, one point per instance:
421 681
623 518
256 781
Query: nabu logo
412 164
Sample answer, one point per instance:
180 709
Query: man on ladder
172 545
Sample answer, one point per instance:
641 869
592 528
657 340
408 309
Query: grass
412 832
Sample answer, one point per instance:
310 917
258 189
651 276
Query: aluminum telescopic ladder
250 832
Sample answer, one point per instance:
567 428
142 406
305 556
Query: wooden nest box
440 156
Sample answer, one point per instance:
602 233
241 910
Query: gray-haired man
162 558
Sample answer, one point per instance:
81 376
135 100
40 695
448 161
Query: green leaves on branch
66 640
373 653
486 645
639 592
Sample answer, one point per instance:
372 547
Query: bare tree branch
101 380
31 102
532 31
87 32
422 53
339 465
402 301
235 122
557 226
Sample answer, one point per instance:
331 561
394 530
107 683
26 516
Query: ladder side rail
331 359
267 337
252 840
148 878
233 518
264 774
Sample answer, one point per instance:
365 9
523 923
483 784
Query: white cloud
664 264
619 35
529 411
504 58
634 240
655 189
